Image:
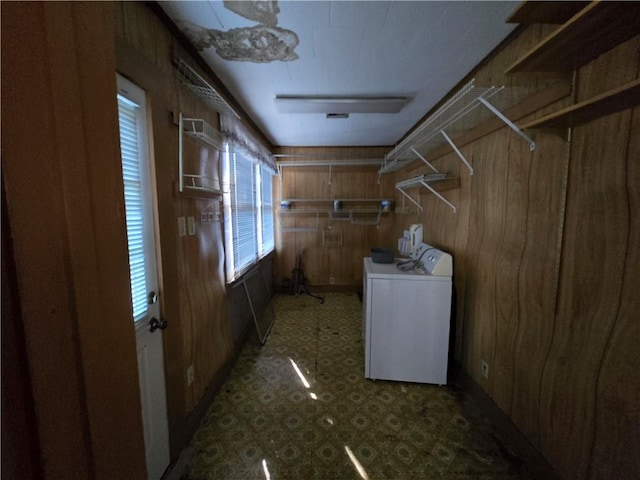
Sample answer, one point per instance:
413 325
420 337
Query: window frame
236 268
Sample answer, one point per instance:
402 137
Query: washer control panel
435 261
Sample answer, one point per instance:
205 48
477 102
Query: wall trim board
534 460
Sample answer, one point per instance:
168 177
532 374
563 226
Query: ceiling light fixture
339 104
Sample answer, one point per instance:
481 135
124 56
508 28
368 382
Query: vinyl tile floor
299 407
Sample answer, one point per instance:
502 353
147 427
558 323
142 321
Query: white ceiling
420 49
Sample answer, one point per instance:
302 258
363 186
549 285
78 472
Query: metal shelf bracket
458 152
423 180
424 160
509 123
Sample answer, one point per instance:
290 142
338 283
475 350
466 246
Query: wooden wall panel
617 396
509 254
537 278
540 296
599 220
593 257
63 177
193 288
321 263
552 324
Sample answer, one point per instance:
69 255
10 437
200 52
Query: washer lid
391 271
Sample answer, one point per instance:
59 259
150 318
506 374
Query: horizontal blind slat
128 122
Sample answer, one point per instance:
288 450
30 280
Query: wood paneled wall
545 247
193 290
63 176
320 262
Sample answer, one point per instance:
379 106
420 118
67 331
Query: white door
136 167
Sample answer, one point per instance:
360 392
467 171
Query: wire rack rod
198 128
200 87
424 181
331 163
429 134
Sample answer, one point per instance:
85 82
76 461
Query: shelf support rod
426 185
458 152
424 160
409 197
510 124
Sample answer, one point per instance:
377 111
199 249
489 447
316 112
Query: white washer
406 319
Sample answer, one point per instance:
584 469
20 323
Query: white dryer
406 318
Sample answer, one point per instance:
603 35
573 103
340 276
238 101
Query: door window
129 117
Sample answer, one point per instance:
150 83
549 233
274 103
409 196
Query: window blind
266 210
243 213
133 200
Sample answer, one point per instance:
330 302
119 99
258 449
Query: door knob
155 324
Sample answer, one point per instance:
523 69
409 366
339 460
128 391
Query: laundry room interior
513 192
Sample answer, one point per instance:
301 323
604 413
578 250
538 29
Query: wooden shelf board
593 31
621 98
545 12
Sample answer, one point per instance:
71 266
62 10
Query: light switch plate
191 222
182 227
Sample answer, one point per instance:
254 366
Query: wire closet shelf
201 88
201 130
458 114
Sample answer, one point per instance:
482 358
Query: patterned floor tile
300 408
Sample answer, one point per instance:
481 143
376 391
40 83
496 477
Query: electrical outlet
485 369
182 226
332 281
190 375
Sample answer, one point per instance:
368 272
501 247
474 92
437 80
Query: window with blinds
248 213
133 199
243 213
267 243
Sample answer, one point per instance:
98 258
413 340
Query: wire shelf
308 227
196 184
364 217
198 128
427 136
201 88
458 115
424 181
201 183
341 216
419 180
331 238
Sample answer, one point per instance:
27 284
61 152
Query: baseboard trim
520 444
